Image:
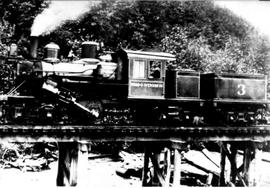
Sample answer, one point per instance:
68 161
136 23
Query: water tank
89 49
51 51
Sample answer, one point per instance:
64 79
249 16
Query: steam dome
89 49
51 52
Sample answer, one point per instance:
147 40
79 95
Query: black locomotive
131 87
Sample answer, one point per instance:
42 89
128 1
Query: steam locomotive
128 87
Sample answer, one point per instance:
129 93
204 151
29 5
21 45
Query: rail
32 133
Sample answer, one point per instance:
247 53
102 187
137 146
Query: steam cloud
57 13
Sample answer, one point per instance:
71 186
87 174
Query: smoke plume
57 13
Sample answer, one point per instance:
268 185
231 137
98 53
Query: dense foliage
202 35
16 21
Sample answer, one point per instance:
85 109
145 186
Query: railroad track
132 133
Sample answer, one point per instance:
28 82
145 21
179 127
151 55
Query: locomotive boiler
128 87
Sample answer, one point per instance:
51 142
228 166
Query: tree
16 20
20 14
202 36
236 56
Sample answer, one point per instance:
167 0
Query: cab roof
150 55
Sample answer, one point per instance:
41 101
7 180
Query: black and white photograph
134 93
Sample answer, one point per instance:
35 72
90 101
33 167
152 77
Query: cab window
154 71
139 69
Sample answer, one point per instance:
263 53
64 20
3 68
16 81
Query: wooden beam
167 160
254 170
145 167
158 178
72 164
209 179
246 165
233 164
258 165
232 158
82 175
222 166
177 168
67 164
161 173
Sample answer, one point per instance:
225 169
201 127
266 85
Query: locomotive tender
132 87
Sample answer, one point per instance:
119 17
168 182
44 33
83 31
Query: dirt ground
102 173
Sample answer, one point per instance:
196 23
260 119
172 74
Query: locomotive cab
147 74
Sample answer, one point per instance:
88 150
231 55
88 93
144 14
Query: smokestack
33 47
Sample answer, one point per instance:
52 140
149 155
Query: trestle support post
72 164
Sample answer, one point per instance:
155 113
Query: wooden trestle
163 149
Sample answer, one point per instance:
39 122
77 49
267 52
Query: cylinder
89 49
51 51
